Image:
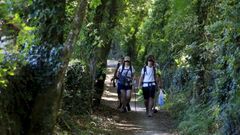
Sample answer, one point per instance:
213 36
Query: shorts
149 92
124 87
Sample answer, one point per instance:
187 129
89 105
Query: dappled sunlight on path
136 121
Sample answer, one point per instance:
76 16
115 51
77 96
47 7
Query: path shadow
136 121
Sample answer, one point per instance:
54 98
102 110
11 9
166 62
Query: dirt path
136 121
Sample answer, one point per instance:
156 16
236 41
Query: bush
77 96
198 120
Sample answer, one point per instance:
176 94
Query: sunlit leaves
95 3
7 68
3 9
131 21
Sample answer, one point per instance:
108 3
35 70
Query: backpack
124 79
115 72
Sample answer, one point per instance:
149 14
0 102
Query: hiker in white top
148 83
125 74
115 77
149 76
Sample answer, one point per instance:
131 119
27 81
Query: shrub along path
135 121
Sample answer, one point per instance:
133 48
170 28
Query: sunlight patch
110 98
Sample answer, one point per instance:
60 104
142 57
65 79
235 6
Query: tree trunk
132 48
202 13
105 34
47 104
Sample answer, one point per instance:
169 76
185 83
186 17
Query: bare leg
150 106
155 102
146 105
123 100
128 99
120 103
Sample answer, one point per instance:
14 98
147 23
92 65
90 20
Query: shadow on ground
136 121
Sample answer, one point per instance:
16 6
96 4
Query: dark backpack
115 72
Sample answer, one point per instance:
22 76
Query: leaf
95 3
11 73
1 56
4 70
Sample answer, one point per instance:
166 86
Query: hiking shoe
150 114
123 110
146 111
128 107
119 106
155 110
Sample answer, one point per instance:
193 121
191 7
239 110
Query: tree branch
76 26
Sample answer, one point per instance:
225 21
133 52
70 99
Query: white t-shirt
126 70
149 76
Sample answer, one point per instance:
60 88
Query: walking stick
135 83
135 100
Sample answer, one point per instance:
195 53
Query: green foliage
151 35
9 58
197 46
7 68
95 3
198 120
77 94
30 67
3 10
130 21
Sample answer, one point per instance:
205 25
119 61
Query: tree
98 36
131 20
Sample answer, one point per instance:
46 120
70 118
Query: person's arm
133 73
115 74
140 81
118 72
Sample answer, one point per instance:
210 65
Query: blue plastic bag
161 98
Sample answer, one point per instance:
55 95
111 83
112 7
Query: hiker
148 83
159 83
125 74
115 77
